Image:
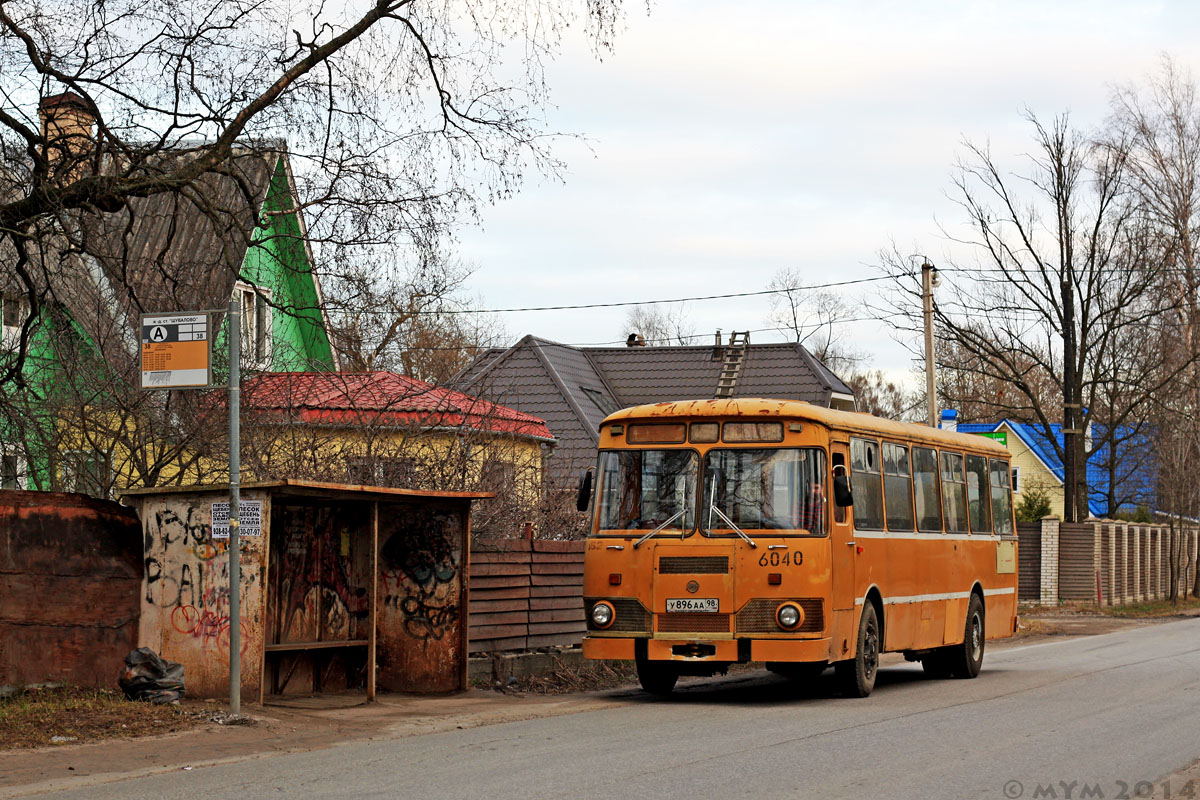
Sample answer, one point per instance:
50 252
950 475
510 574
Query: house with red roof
386 429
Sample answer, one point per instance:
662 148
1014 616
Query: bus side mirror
584 498
842 495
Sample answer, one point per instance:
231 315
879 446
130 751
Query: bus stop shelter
342 586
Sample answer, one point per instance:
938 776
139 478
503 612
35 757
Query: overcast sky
728 141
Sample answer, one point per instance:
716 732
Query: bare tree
659 325
399 115
419 323
399 119
875 393
1061 278
812 318
1159 122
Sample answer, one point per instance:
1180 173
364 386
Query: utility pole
235 470
929 279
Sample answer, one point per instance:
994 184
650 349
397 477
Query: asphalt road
1101 717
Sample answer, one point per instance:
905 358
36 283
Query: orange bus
737 530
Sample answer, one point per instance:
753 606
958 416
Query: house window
256 326
86 472
601 401
1016 475
12 468
14 309
393 472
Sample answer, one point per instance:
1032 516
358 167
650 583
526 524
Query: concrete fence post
1049 587
1136 563
1098 561
1114 593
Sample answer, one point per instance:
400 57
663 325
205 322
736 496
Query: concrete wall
70 572
185 592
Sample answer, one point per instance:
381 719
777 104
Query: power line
621 304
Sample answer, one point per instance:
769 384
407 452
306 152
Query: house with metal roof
574 388
80 422
1120 482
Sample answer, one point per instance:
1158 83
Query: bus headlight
603 614
789 616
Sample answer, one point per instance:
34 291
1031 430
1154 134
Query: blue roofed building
1122 475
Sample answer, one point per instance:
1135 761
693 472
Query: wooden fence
1103 561
525 594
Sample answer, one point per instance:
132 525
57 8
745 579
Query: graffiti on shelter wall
319 595
187 573
420 572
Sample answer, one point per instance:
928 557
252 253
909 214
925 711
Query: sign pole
235 469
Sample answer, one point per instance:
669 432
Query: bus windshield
643 489
775 488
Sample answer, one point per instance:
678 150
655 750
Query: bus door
842 559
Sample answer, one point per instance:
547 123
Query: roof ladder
735 354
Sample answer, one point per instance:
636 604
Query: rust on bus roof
798 409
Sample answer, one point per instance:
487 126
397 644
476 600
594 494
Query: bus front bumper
674 649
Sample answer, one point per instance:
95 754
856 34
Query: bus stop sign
175 351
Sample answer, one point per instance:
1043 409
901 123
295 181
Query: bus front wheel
657 677
857 676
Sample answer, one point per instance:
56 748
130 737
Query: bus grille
685 622
693 565
629 616
758 616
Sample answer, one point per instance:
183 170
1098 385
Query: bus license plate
705 604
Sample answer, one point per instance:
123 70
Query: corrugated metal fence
525 593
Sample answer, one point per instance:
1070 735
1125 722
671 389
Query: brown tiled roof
574 388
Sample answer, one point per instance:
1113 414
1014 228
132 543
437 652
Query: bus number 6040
785 559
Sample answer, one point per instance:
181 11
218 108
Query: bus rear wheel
857 676
967 659
657 677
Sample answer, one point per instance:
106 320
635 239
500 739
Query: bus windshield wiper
677 515
721 514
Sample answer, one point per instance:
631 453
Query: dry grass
1160 608
568 678
1035 627
67 715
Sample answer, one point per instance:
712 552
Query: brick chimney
67 126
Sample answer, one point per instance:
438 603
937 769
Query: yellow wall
1033 474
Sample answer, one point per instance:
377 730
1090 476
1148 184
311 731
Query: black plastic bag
147 676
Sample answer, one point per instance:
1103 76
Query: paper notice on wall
249 514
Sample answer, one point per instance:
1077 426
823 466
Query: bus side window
978 497
954 493
867 481
897 487
925 482
839 511
1001 497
